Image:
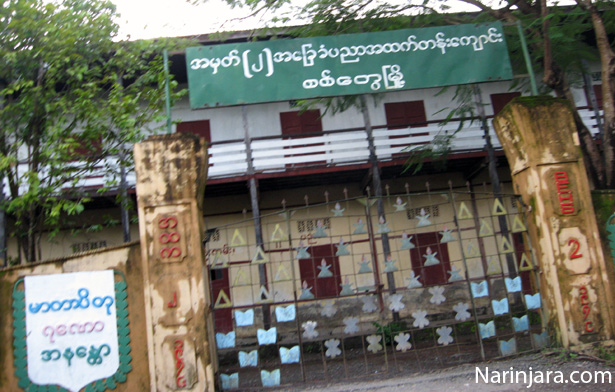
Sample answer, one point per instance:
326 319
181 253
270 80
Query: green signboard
287 69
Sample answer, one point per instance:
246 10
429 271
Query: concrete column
171 174
542 147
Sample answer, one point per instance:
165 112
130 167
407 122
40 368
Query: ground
464 377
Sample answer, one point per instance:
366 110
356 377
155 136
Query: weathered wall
125 259
542 147
171 172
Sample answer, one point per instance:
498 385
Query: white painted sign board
71 328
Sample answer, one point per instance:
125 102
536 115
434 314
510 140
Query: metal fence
367 286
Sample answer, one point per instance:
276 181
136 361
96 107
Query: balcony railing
344 147
228 159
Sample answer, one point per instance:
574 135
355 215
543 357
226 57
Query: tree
599 158
558 38
71 97
607 61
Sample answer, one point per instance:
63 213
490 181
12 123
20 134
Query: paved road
467 378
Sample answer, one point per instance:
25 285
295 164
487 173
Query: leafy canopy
71 96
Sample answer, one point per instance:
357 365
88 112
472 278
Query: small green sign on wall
286 69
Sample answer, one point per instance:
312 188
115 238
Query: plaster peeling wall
171 172
542 147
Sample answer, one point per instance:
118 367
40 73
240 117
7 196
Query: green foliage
465 328
390 330
71 95
12 261
502 323
607 354
94 228
435 151
312 348
110 221
565 355
534 318
424 335
268 352
604 206
462 110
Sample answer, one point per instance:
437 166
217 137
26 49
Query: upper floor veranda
279 139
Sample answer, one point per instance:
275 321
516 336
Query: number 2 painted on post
574 252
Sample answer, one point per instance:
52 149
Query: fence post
171 172
542 146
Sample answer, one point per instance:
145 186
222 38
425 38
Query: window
199 128
212 235
597 94
400 115
429 243
308 225
87 147
297 123
405 114
498 101
308 269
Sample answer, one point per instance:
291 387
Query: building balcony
329 151
335 150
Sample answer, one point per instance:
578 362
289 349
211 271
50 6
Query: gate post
541 143
171 173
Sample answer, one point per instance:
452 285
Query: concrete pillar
542 146
171 174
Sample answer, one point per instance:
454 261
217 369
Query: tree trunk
607 62
31 238
36 126
555 78
596 163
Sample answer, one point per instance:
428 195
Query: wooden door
223 318
432 274
308 268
